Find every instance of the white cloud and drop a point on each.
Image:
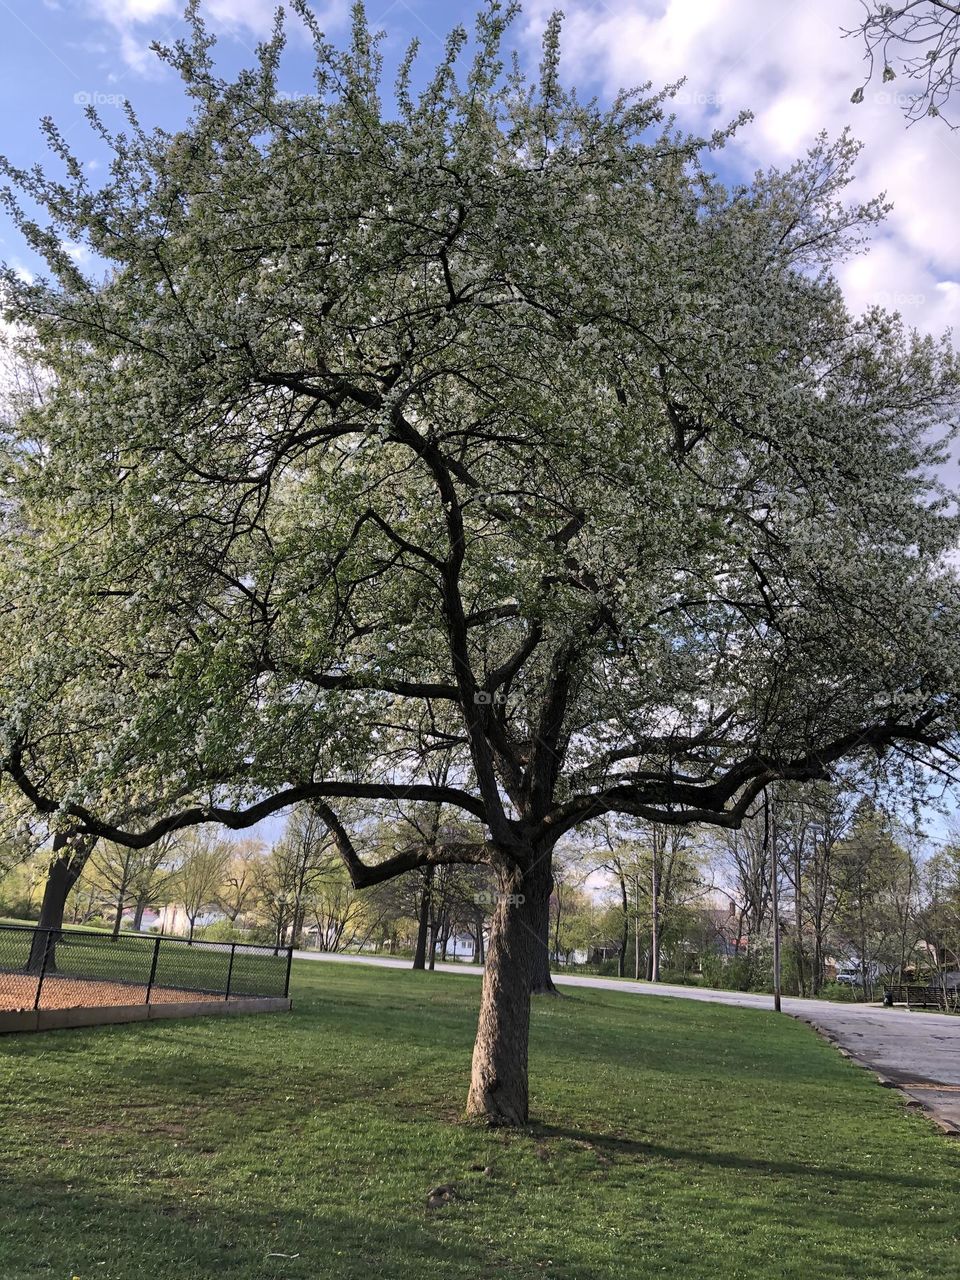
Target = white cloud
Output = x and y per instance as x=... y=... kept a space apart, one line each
x=791 y=66
x=138 y=22
x=121 y=12
x=79 y=253
x=892 y=276
x=255 y=15
x=22 y=271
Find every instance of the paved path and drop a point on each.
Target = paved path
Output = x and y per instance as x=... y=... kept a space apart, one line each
x=917 y=1052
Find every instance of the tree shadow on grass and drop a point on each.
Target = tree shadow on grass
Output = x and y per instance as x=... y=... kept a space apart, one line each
x=611 y=1145
x=53 y=1230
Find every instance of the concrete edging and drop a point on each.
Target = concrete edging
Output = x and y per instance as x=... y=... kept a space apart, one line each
x=888 y=1082
x=103 y=1015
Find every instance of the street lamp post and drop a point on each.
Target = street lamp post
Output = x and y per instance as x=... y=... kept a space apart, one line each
x=776 y=920
x=770 y=840
x=815 y=830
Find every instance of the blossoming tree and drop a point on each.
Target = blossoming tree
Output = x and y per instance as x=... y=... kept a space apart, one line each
x=490 y=424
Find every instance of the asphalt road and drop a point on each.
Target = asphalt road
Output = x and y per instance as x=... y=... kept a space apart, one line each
x=918 y=1053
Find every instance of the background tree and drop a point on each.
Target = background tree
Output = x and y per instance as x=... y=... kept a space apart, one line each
x=201 y=865
x=489 y=423
x=657 y=872
x=425 y=827
x=876 y=919
x=288 y=878
x=237 y=893
x=21 y=886
x=748 y=874
x=339 y=916
x=133 y=877
x=940 y=915
x=581 y=925
x=811 y=828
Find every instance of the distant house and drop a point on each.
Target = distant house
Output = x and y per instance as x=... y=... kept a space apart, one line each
x=173 y=920
x=149 y=919
x=604 y=949
x=722 y=932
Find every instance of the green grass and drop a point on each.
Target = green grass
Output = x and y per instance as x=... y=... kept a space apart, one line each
x=673 y=1139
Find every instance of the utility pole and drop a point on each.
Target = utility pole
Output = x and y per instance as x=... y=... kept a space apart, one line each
x=655 y=905
x=770 y=840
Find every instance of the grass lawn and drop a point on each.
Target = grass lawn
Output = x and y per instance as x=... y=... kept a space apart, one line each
x=673 y=1139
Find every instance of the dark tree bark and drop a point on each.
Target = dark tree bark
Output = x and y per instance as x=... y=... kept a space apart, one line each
x=118 y=918
x=539 y=889
x=64 y=872
x=625 y=929
x=433 y=931
x=655 y=914
x=139 y=909
x=299 y=917
x=423 y=925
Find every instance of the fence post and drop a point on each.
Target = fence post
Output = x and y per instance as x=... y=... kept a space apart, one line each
x=233 y=952
x=153 y=968
x=286 y=985
x=43 y=968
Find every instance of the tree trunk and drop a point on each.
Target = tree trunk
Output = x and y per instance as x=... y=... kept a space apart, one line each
x=498 y=1085
x=625 y=931
x=62 y=876
x=816 y=978
x=863 y=946
x=432 y=943
x=118 y=915
x=798 y=919
x=654 y=918
x=423 y=924
x=299 y=916
x=140 y=908
x=537 y=905
x=636 y=927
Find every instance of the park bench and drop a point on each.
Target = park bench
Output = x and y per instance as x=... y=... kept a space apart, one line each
x=916 y=996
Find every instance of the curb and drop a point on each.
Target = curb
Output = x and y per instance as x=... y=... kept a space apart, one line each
x=104 y=1015
x=947 y=1127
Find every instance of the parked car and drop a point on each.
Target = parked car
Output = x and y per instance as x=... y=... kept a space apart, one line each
x=849 y=978
x=849 y=974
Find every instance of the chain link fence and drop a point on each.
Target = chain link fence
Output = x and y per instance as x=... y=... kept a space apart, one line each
x=70 y=968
